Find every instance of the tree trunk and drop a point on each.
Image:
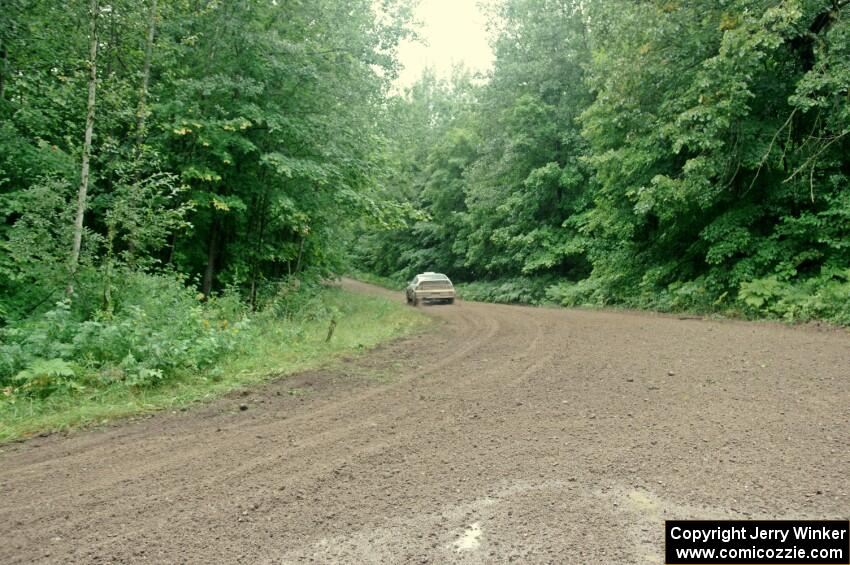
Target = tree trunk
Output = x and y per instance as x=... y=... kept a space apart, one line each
x=142 y=111
x=4 y=66
x=212 y=253
x=300 y=253
x=113 y=44
x=171 y=249
x=84 y=171
x=107 y=276
x=255 y=268
x=804 y=44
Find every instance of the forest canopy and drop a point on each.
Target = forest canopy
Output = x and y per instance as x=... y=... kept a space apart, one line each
x=655 y=154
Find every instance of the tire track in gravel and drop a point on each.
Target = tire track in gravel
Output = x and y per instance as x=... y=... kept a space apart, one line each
x=504 y=433
x=472 y=332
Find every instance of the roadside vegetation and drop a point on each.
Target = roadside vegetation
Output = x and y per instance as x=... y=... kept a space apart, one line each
x=519 y=290
x=378 y=280
x=178 y=351
x=176 y=178
x=677 y=156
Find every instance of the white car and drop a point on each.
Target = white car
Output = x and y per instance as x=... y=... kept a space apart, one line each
x=430 y=287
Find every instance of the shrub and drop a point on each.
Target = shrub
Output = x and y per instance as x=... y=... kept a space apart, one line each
x=46 y=376
x=518 y=290
x=588 y=291
x=824 y=297
x=159 y=328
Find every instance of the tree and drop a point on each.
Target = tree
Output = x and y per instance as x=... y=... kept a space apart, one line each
x=84 y=169
x=654 y=154
x=141 y=113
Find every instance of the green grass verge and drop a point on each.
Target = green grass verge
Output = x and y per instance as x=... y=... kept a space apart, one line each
x=378 y=280
x=276 y=348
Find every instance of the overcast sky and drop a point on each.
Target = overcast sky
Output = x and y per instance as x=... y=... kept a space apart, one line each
x=452 y=31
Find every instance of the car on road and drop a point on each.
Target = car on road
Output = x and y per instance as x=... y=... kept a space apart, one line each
x=430 y=287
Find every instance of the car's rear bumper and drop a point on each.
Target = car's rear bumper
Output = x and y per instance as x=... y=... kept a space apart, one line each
x=435 y=295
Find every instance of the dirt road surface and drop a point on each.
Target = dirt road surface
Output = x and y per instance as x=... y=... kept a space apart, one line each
x=504 y=434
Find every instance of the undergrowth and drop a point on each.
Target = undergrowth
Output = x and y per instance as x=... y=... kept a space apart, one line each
x=172 y=348
x=823 y=298
x=390 y=283
x=517 y=290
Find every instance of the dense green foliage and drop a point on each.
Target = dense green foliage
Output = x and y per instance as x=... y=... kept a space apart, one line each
x=211 y=157
x=289 y=337
x=655 y=154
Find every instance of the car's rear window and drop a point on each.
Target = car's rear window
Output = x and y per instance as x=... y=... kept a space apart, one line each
x=436 y=283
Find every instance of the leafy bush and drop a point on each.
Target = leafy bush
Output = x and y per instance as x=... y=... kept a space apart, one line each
x=568 y=293
x=46 y=376
x=826 y=297
x=760 y=292
x=396 y=282
x=295 y=298
x=159 y=328
x=518 y=290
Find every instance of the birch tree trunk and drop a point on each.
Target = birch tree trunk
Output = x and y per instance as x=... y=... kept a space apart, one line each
x=84 y=171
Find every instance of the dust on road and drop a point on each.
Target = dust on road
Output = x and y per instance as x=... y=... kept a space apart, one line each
x=505 y=434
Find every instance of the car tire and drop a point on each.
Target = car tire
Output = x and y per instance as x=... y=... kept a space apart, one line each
x=451 y=301
x=415 y=302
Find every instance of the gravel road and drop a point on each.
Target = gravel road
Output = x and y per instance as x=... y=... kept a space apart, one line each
x=503 y=434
